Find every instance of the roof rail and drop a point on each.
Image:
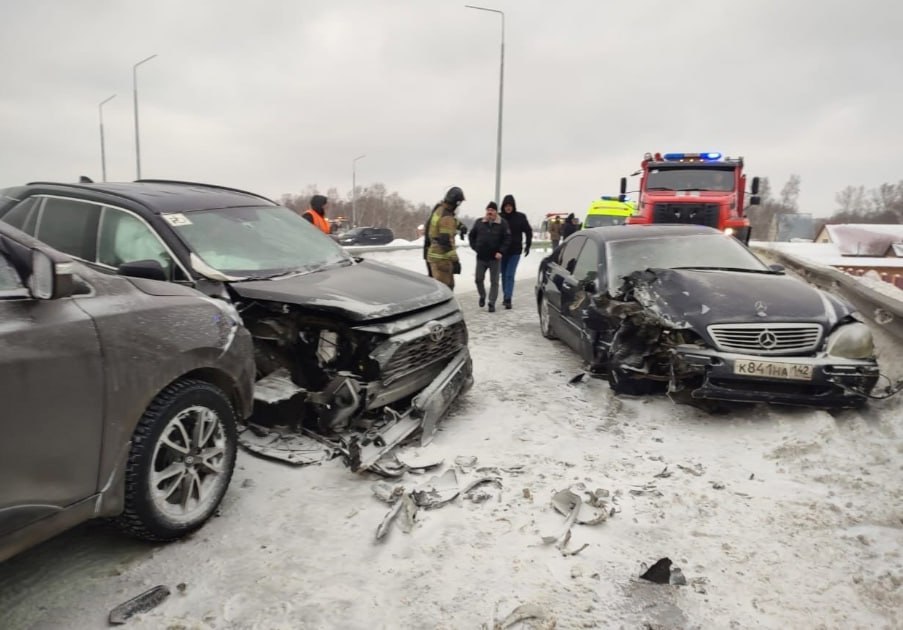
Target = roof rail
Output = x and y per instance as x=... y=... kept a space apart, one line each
x=176 y=181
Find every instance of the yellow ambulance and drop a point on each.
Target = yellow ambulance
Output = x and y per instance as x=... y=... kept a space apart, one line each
x=608 y=211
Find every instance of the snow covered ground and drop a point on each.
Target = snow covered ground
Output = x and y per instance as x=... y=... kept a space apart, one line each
x=778 y=518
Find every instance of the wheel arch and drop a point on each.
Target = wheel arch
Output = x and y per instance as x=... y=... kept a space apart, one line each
x=111 y=497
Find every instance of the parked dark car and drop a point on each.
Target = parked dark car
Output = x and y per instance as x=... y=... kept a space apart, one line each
x=694 y=310
x=366 y=236
x=120 y=398
x=361 y=351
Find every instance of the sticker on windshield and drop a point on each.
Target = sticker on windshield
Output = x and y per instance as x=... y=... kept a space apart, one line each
x=177 y=219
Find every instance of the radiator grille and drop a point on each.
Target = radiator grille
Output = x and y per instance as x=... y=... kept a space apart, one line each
x=693 y=213
x=766 y=339
x=418 y=353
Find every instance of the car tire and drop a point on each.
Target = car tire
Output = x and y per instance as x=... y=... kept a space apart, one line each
x=180 y=463
x=545 y=318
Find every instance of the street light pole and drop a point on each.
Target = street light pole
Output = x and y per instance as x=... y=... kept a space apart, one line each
x=498 y=148
x=103 y=155
x=354 y=191
x=135 y=90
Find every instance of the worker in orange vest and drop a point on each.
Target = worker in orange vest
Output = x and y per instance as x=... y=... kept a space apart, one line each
x=316 y=213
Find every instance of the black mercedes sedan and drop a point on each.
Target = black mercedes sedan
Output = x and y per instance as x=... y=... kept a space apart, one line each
x=692 y=311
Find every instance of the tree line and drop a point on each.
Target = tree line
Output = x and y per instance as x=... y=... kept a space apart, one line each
x=855 y=204
x=375 y=206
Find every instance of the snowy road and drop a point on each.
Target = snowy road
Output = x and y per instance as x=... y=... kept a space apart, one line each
x=778 y=518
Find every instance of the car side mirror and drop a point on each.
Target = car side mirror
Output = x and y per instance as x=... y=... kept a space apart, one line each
x=777 y=268
x=754 y=189
x=50 y=279
x=755 y=200
x=148 y=269
x=623 y=188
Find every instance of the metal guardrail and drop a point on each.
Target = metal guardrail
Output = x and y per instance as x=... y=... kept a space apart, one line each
x=881 y=309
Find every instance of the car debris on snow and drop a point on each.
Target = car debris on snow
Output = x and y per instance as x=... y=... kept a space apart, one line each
x=434 y=493
x=572 y=505
x=437 y=491
x=387 y=493
x=524 y=612
x=465 y=462
x=696 y=470
x=577 y=379
x=677 y=577
x=141 y=603
x=406 y=507
x=664 y=474
x=659 y=572
x=290 y=447
x=418 y=460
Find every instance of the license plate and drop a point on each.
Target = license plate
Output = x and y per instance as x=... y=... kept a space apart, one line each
x=774 y=369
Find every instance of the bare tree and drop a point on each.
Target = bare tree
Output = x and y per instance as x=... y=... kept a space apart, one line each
x=790 y=194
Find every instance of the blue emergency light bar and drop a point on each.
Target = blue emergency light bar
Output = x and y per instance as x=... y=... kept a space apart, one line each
x=676 y=157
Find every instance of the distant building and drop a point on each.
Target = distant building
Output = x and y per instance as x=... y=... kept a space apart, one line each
x=874 y=240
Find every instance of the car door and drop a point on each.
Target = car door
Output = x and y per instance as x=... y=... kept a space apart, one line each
x=51 y=392
x=560 y=288
x=577 y=299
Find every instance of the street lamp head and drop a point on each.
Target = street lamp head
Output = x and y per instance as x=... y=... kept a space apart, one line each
x=146 y=59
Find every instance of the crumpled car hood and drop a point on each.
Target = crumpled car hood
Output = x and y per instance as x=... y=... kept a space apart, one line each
x=361 y=292
x=695 y=298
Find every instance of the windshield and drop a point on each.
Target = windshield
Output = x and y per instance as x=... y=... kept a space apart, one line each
x=601 y=220
x=721 y=180
x=256 y=241
x=669 y=252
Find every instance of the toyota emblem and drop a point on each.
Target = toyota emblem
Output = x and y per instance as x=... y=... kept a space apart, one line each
x=767 y=340
x=437 y=331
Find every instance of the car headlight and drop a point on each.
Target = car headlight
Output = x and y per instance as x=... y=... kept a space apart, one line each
x=851 y=341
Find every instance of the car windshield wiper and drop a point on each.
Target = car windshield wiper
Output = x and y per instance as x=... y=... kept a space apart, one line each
x=659 y=188
x=740 y=269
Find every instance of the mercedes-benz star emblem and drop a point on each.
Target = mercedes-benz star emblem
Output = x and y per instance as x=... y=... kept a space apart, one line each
x=767 y=340
x=437 y=331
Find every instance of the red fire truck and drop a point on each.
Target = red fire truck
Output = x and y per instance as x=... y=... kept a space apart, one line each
x=699 y=188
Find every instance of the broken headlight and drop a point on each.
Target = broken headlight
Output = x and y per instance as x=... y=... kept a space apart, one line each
x=851 y=341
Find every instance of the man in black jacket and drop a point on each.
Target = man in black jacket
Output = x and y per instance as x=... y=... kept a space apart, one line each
x=520 y=229
x=489 y=237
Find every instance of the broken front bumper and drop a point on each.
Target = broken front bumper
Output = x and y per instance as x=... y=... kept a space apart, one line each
x=822 y=381
x=426 y=410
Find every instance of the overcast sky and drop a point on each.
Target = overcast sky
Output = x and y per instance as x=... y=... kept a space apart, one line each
x=276 y=95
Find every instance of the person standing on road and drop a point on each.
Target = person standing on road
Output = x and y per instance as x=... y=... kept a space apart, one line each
x=520 y=228
x=316 y=213
x=555 y=231
x=570 y=226
x=489 y=237
x=441 y=230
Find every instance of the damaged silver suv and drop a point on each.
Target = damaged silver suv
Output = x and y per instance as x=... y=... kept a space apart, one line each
x=355 y=352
